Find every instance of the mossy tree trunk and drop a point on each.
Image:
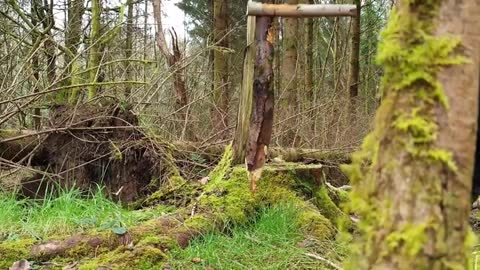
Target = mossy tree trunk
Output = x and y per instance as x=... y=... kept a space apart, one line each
x=414 y=197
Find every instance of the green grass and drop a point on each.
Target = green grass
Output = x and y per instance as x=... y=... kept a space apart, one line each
x=68 y=213
x=271 y=242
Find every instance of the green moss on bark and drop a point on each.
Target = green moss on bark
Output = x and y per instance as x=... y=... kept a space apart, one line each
x=403 y=143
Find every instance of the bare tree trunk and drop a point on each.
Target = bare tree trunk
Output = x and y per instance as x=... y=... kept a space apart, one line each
x=37 y=119
x=309 y=58
x=290 y=77
x=73 y=34
x=353 y=78
x=174 y=59
x=44 y=11
x=414 y=197
x=95 y=48
x=221 y=95
x=129 y=46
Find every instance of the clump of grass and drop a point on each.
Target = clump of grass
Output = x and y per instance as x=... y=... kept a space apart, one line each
x=273 y=241
x=69 y=212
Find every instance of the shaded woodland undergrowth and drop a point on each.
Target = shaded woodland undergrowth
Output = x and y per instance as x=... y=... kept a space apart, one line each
x=290 y=222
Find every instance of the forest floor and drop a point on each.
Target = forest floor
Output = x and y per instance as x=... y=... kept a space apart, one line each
x=270 y=241
x=219 y=225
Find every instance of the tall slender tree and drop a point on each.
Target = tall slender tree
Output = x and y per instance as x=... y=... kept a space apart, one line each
x=354 y=71
x=73 y=38
x=95 y=48
x=221 y=90
x=289 y=71
x=129 y=45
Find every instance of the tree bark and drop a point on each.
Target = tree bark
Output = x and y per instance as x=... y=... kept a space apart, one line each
x=353 y=78
x=309 y=58
x=414 y=197
x=263 y=100
x=129 y=46
x=95 y=44
x=37 y=119
x=221 y=93
x=73 y=35
x=290 y=69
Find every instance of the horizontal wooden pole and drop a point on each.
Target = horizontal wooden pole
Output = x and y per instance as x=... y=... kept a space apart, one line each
x=302 y=10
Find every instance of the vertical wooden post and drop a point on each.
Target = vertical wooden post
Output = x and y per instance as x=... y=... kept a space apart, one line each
x=246 y=96
x=261 y=124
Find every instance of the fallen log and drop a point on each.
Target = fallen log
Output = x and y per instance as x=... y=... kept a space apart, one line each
x=213 y=152
x=16 y=145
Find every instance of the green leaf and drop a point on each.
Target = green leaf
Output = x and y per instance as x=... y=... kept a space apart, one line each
x=119 y=230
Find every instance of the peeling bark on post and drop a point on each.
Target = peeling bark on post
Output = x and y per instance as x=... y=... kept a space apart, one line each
x=263 y=101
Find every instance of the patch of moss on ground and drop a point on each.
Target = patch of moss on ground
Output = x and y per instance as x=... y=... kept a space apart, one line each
x=141 y=257
x=12 y=251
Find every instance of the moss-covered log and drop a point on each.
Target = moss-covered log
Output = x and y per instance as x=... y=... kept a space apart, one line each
x=225 y=200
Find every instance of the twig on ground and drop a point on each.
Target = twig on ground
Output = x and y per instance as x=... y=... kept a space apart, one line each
x=317 y=257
